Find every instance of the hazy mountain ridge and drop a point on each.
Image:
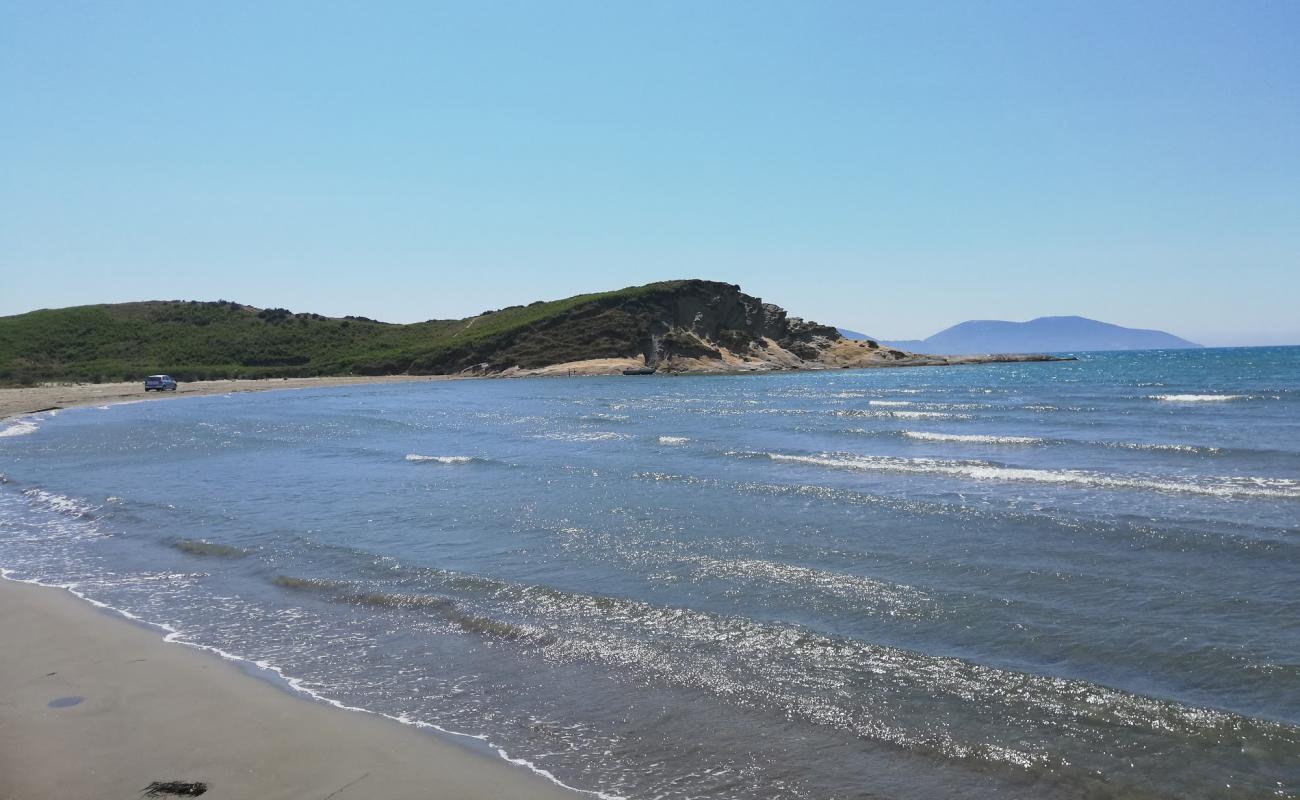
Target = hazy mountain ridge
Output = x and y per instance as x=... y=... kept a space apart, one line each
x=856 y=336
x=1042 y=335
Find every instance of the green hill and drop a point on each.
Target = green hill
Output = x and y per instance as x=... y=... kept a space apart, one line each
x=205 y=340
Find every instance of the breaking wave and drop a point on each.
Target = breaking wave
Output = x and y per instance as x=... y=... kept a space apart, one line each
x=603 y=417
x=59 y=503
x=416 y=457
x=974 y=438
x=1160 y=447
x=807 y=674
x=673 y=440
x=202 y=547
x=19 y=427
x=983 y=438
x=446 y=608
x=902 y=414
x=584 y=436
x=1282 y=488
x=1197 y=398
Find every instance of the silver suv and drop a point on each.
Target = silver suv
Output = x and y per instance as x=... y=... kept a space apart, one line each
x=159 y=383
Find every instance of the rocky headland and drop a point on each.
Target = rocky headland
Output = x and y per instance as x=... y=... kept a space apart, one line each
x=707 y=326
x=671 y=327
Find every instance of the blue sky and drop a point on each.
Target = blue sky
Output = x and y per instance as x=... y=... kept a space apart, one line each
x=892 y=168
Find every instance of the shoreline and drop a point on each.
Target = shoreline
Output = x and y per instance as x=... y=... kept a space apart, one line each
x=24 y=401
x=92 y=706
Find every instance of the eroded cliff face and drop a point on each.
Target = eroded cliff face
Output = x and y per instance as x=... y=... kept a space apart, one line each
x=692 y=324
x=678 y=326
x=710 y=320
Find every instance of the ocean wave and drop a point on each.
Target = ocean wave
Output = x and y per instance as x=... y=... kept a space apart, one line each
x=19 y=427
x=445 y=608
x=1197 y=398
x=59 y=503
x=901 y=414
x=583 y=436
x=202 y=547
x=889 y=402
x=1159 y=447
x=289 y=582
x=897 y=600
x=978 y=438
x=974 y=438
x=416 y=457
x=673 y=440
x=808 y=674
x=1244 y=486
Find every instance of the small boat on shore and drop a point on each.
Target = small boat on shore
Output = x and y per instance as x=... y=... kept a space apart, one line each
x=639 y=371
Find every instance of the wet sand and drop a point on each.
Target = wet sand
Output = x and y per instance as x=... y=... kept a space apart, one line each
x=95 y=706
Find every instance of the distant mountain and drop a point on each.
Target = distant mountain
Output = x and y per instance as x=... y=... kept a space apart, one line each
x=855 y=336
x=1042 y=335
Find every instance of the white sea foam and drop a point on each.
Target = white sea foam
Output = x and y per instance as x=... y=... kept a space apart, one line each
x=977 y=438
x=673 y=440
x=19 y=427
x=442 y=459
x=902 y=414
x=584 y=436
x=58 y=502
x=1171 y=448
x=974 y=438
x=1197 y=398
x=926 y=415
x=117 y=403
x=1283 y=488
x=889 y=402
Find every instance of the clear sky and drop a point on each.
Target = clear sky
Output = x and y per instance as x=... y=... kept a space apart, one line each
x=889 y=167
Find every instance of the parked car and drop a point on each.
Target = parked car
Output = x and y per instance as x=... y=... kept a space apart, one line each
x=159 y=383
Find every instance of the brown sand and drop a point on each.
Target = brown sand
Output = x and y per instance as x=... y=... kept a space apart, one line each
x=15 y=402
x=155 y=711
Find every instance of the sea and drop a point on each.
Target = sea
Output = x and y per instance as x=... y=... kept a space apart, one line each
x=1035 y=580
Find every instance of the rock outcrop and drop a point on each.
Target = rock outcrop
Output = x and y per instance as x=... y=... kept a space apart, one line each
x=705 y=319
x=706 y=326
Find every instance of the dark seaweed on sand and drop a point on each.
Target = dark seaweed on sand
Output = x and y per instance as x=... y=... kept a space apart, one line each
x=174 y=788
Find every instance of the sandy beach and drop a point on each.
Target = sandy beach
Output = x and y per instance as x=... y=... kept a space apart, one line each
x=93 y=706
x=24 y=400
x=19 y=401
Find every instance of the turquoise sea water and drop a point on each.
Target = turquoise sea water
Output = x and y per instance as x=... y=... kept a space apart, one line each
x=1075 y=580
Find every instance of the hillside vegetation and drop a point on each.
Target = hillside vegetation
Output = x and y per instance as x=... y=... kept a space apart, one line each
x=207 y=340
